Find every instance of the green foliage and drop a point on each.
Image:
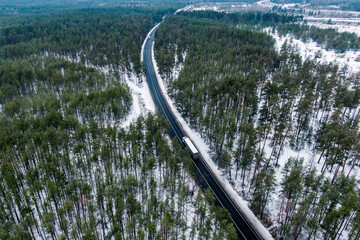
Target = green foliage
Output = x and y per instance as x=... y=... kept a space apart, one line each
x=207 y=55
x=47 y=86
x=264 y=185
x=67 y=170
x=250 y=18
x=250 y=103
x=96 y=185
x=100 y=37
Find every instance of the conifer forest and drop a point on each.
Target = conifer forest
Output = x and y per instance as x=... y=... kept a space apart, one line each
x=253 y=104
x=83 y=156
x=67 y=168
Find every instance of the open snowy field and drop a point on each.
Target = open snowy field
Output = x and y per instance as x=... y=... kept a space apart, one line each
x=338 y=26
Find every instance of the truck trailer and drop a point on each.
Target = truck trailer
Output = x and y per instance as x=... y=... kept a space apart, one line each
x=191 y=147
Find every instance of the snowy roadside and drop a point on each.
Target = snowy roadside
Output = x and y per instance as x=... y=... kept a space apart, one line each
x=348 y=61
x=190 y=213
x=142 y=102
x=204 y=149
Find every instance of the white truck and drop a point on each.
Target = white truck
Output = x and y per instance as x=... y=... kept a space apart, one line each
x=191 y=147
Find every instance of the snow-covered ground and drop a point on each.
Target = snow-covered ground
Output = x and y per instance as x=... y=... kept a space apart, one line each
x=350 y=59
x=329 y=11
x=333 y=20
x=184 y=8
x=340 y=27
x=309 y=50
x=269 y=4
x=142 y=102
x=205 y=150
x=351 y=25
x=204 y=8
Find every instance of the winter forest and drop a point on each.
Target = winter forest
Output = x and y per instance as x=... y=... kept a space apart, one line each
x=284 y=131
x=68 y=169
x=84 y=155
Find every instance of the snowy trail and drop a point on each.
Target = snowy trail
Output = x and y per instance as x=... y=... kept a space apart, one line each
x=142 y=102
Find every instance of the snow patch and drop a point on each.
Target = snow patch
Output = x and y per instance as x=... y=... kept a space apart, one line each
x=340 y=27
x=183 y=9
x=142 y=103
x=349 y=60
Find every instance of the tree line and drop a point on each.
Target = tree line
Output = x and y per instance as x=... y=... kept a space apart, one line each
x=100 y=37
x=329 y=38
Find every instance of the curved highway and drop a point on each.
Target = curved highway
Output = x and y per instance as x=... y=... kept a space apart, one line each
x=207 y=177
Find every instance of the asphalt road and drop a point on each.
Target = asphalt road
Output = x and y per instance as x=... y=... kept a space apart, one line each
x=208 y=179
